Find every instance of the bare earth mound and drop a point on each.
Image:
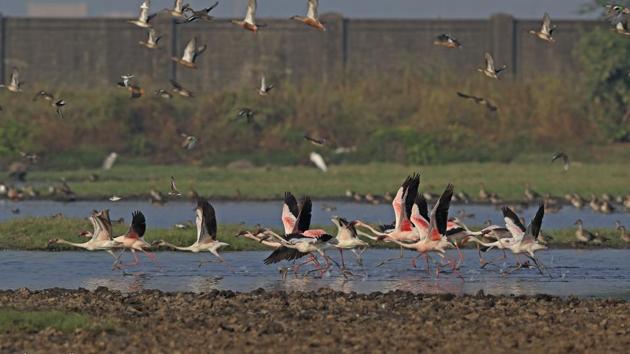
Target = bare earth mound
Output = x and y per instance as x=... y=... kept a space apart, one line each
x=321 y=321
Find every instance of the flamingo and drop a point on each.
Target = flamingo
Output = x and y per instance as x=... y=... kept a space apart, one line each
x=435 y=240
x=133 y=239
x=296 y=245
x=100 y=239
x=311 y=19
x=206 y=221
x=298 y=219
x=526 y=240
x=249 y=23
x=347 y=238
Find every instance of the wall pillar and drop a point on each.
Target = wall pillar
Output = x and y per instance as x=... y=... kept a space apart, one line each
x=2 y=49
x=503 y=42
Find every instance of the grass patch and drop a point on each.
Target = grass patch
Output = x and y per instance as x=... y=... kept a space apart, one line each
x=508 y=180
x=34 y=233
x=35 y=321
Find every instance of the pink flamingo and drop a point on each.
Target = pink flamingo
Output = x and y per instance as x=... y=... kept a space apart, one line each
x=133 y=239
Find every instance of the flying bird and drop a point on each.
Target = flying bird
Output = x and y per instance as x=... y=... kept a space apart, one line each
x=563 y=156
x=125 y=80
x=189 y=141
x=246 y=114
x=174 y=192
x=180 y=90
x=114 y=198
x=57 y=104
x=191 y=52
x=30 y=157
x=152 y=40
x=546 y=30
x=264 y=88
x=249 y=23
x=312 y=18
x=14 y=82
x=314 y=141
x=203 y=14
x=479 y=100
x=178 y=9
x=43 y=95
x=446 y=40
x=318 y=160
x=490 y=70
x=109 y=161
x=163 y=94
x=144 y=18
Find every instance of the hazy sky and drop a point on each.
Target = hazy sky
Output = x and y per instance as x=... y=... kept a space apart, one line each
x=348 y=8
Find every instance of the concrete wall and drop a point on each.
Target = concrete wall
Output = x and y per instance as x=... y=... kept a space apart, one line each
x=93 y=53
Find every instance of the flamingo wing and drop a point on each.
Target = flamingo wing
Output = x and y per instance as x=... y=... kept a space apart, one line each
x=513 y=223
x=304 y=217
x=138 y=225
x=290 y=213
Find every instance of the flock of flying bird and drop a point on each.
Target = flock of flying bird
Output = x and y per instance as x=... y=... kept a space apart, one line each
x=416 y=227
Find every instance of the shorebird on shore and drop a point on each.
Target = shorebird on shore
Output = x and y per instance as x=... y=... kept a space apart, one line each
x=546 y=30
x=206 y=222
x=249 y=22
x=152 y=40
x=191 y=52
x=144 y=19
x=446 y=40
x=14 y=82
x=312 y=18
x=490 y=70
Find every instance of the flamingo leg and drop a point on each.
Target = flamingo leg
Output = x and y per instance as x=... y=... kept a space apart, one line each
x=359 y=255
x=343 y=264
x=312 y=258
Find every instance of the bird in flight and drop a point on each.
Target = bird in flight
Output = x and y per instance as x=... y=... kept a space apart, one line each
x=490 y=70
x=249 y=23
x=318 y=160
x=479 y=100
x=191 y=52
x=312 y=18
x=264 y=88
x=163 y=94
x=144 y=19
x=152 y=40
x=180 y=90
x=546 y=30
x=174 y=192
x=189 y=141
x=57 y=104
x=314 y=141
x=14 y=82
x=446 y=40
x=203 y=14
x=30 y=157
x=563 y=156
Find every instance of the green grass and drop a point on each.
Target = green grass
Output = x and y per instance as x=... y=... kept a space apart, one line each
x=508 y=180
x=34 y=233
x=35 y=321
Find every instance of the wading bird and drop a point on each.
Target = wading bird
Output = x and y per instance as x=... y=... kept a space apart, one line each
x=490 y=70
x=526 y=241
x=348 y=239
x=100 y=238
x=312 y=18
x=191 y=52
x=133 y=239
x=546 y=30
x=206 y=221
x=249 y=23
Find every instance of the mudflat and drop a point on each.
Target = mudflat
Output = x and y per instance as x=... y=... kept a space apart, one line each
x=152 y=321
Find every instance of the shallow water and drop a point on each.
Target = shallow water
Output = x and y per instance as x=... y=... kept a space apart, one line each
x=583 y=273
x=268 y=212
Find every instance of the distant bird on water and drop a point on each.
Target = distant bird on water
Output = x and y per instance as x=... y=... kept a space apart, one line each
x=152 y=40
x=312 y=17
x=563 y=156
x=546 y=30
x=180 y=90
x=318 y=160
x=490 y=70
x=446 y=40
x=191 y=52
x=479 y=100
x=203 y=14
x=144 y=18
x=249 y=22
x=264 y=88
x=14 y=82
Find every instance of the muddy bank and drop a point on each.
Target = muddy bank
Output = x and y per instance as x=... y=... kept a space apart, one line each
x=322 y=321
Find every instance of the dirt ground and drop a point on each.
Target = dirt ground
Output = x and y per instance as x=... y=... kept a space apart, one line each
x=322 y=321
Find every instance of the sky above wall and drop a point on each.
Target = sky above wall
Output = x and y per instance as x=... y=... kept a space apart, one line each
x=528 y=9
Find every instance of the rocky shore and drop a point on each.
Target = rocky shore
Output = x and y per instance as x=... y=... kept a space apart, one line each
x=321 y=321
